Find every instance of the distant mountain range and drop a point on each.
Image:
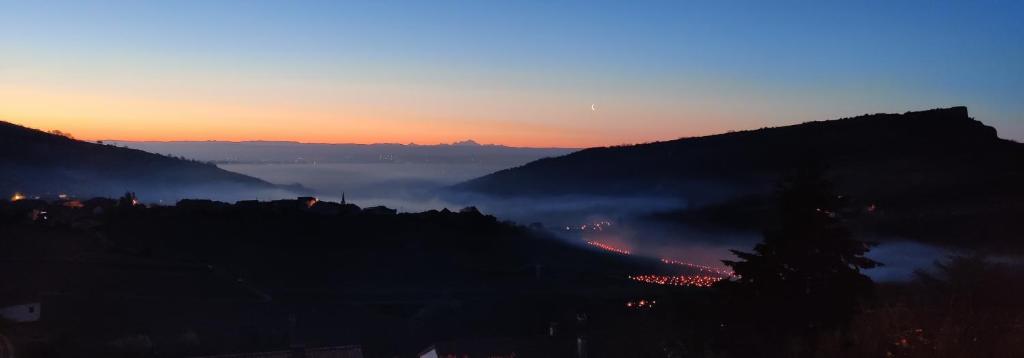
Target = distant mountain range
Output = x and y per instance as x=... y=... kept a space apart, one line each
x=467 y=151
x=935 y=172
x=46 y=164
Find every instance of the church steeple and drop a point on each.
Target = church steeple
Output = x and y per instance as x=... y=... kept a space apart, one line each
x=342 y=198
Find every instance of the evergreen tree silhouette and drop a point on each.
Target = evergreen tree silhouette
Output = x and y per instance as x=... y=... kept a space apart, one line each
x=806 y=273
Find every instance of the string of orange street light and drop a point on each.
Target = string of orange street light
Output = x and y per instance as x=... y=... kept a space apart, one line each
x=607 y=247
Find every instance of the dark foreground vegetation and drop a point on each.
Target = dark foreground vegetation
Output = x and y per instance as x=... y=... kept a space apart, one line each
x=801 y=293
x=118 y=279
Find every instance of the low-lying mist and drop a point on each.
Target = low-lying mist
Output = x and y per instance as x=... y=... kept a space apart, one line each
x=414 y=187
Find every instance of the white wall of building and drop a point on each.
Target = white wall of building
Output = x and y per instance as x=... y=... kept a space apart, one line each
x=429 y=354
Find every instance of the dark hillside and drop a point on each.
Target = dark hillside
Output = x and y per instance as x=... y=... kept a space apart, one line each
x=936 y=172
x=752 y=160
x=40 y=163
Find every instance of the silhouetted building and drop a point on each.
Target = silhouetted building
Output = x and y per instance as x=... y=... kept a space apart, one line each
x=327 y=208
x=308 y=201
x=380 y=210
x=128 y=200
x=247 y=204
x=302 y=202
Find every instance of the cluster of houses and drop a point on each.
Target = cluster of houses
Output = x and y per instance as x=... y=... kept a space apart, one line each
x=69 y=211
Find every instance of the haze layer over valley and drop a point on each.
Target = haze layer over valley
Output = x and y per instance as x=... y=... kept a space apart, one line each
x=407 y=177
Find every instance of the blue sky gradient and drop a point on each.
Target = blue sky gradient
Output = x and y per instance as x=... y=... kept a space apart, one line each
x=519 y=72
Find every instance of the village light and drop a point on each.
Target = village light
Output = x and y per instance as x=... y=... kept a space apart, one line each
x=679 y=280
x=701 y=268
x=17 y=196
x=607 y=247
x=640 y=304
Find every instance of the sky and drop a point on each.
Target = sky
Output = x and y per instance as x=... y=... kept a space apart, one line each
x=523 y=73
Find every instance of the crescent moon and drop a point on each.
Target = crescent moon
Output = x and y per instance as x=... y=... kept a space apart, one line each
x=592 y=108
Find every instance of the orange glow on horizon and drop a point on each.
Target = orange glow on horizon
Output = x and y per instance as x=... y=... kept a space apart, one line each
x=105 y=116
x=426 y=135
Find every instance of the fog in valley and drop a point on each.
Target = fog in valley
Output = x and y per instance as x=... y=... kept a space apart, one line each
x=413 y=178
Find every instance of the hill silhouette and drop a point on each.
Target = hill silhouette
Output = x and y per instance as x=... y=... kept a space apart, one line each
x=45 y=164
x=930 y=172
